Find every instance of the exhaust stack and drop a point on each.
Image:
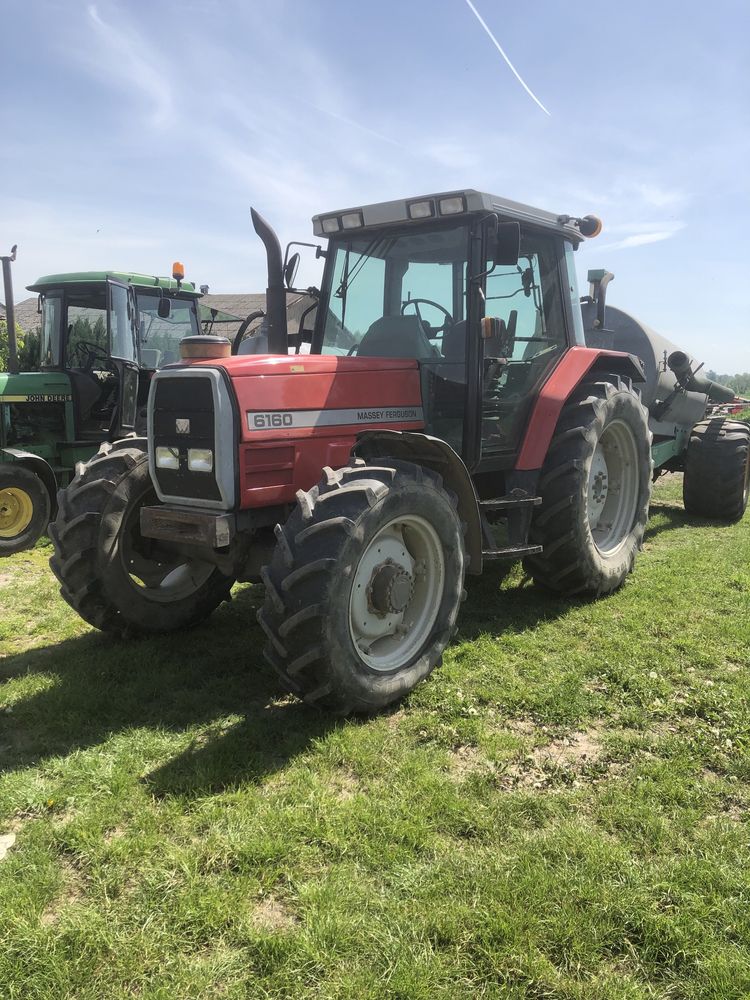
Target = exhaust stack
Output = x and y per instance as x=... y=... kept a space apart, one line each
x=278 y=342
x=10 y=313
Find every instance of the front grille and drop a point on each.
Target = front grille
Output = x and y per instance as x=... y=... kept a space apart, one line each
x=182 y=417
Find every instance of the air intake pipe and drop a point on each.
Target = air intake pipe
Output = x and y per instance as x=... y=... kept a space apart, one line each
x=679 y=362
x=278 y=342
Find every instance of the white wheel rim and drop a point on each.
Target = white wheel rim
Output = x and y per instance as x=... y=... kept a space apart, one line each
x=408 y=555
x=613 y=488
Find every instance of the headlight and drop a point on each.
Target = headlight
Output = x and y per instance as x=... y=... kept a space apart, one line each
x=200 y=459
x=330 y=225
x=167 y=458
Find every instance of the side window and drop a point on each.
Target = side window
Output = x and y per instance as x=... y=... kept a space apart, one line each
x=49 y=355
x=530 y=337
x=526 y=298
x=121 y=329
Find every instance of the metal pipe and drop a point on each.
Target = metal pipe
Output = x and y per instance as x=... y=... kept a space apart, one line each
x=10 y=313
x=679 y=362
x=278 y=342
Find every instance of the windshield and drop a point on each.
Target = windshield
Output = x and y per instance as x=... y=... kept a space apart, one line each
x=159 y=339
x=397 y=295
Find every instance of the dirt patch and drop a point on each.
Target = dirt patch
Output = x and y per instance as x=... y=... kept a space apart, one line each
x=273 y=916
x=394 y=720
x=468 y=760
x=72 y=892
x=344 y=784
x=561 y=761
x=5 y=579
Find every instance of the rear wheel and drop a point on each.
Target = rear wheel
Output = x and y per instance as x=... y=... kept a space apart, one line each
x=364 y=587
x=24 y=508
x=116 y=579
x=716 y=483
x=595 y=487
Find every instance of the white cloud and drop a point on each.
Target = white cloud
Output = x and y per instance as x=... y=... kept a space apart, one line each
x=124 y=57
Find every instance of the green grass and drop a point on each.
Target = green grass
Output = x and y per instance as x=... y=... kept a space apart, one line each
x=559 y=812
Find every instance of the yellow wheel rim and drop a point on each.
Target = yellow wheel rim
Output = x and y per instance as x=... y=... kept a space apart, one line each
x=16 y=511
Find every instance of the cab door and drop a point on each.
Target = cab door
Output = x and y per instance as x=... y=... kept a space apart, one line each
x=525 y=342
x=123 y=345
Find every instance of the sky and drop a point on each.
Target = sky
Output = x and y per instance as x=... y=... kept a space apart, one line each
x=137 y=133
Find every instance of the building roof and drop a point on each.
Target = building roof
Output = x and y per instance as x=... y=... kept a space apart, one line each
x=27 y=316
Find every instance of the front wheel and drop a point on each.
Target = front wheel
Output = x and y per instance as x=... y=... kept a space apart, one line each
x=24 y=508
x=364 y=587
x=595 y=487
x=116 y=579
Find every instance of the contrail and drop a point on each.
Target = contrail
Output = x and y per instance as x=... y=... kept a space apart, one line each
x=499 y=48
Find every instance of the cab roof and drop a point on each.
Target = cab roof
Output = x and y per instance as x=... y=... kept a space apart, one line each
x=48 y=281
x=392 y=212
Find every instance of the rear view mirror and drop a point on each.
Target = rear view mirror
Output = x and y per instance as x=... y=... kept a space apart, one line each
x=164 y=309
x=290 y=270
x=507 y=243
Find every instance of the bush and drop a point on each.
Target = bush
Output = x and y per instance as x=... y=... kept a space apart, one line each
x=27 y=345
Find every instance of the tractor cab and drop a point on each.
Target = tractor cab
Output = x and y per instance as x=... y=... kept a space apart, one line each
x=480 y=291
x=108 y=332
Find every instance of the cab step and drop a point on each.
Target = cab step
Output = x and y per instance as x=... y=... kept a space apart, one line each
x=511 y=552
x=514 y=500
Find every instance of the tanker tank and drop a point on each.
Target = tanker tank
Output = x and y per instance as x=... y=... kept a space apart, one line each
x=673 y=394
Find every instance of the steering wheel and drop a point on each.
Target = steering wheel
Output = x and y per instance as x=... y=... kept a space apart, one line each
x=87 y=353
x=434 y=330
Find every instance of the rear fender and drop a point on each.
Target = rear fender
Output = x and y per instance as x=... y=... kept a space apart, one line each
x=435 y=454
x=576 y=365
x=39 y=466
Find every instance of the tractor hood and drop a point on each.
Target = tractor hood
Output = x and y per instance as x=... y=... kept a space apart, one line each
x=34 y=387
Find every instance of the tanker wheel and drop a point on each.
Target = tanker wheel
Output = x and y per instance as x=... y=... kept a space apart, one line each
x=364 y=587
x=116 y=579
x=716 y=483
x=24 y=508
x=595 y=487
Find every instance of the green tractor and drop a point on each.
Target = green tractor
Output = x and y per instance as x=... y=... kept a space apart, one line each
x=103 y=334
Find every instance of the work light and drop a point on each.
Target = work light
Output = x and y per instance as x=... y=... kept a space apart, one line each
x=452 y=206
x=351 y=220
x=421 y=210
x=330 y=225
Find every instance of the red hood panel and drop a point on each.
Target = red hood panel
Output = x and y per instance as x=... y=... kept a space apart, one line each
x=281 y=364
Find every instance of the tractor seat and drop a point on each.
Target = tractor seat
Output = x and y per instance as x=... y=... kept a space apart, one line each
x=396 y=337
x=454 y=342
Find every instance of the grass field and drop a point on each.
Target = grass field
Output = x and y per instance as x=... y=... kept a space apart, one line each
x=559 y=812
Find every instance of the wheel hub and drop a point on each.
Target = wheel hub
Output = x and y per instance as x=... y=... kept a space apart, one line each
x=613 y=487
x=397 y=587
x=390 y=589
x=16 y=511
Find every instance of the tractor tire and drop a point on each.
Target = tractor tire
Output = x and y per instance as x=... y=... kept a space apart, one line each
x=117 y=580
x=716 y=483
x=24 y=508
x=595 y=487
x=364 y=586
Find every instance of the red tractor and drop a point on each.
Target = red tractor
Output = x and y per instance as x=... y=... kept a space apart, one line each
x=448 y=415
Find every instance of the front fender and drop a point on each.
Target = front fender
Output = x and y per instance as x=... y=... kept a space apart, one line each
x=435 y=454
x=36 y=464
